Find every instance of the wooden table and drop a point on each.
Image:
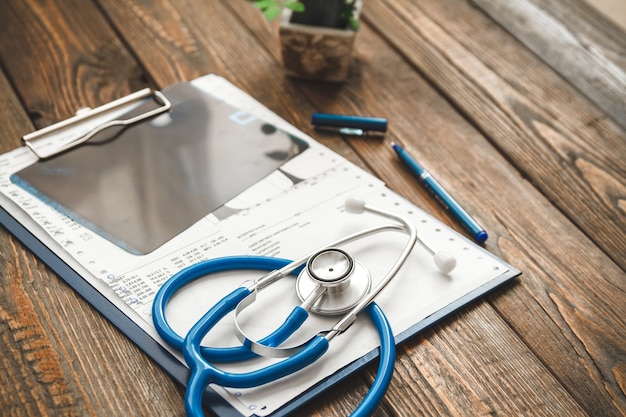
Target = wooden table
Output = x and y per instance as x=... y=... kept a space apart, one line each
x=539 y=163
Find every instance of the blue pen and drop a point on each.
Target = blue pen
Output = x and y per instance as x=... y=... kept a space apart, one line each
x=441 y=194
x=350 y=125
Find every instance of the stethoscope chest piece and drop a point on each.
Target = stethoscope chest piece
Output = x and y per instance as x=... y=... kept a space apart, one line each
x=345 y=281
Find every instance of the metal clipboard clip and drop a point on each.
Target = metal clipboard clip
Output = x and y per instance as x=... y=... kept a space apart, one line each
x=52 y=148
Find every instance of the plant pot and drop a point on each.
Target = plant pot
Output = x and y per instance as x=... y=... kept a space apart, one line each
x=316 y=52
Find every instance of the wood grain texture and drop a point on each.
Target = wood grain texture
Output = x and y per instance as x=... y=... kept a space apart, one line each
x=553 y=282
x=71 y=361
x=515 y=143
x=79 y=60
x=553 y=136
x=572 y=37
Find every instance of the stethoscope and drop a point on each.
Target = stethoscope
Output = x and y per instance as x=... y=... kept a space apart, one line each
x=329 y=282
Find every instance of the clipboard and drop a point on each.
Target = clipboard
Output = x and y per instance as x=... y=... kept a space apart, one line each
x=119 y=310
x=150 y=173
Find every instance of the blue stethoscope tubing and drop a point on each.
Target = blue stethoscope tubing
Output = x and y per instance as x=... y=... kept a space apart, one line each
x=199 y=358
x=201 y=269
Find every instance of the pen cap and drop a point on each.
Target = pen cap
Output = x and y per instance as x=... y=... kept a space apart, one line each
x=376 y=124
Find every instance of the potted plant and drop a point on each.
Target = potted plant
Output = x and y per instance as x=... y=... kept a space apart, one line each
x=316 y=36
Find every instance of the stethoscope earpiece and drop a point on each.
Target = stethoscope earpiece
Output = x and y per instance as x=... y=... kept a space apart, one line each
x=445 y=261
x=354 y=205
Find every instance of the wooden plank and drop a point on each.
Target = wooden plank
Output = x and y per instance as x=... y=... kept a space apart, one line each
x=14 y=115
x=59 y=356
x=570 y=289
x=576 y=41
x=613 y=10
x=559 y=141
x=449 y=357
x=77 y=64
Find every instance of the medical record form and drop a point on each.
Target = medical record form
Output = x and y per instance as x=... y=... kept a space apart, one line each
x=293 y=207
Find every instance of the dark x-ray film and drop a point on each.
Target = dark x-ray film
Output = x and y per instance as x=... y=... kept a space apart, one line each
x=141 y=185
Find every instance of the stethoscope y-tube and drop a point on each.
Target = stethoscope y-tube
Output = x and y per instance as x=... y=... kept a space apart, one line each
x=323 y=285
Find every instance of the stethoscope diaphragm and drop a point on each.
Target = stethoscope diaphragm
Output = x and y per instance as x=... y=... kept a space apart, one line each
x=346 y=282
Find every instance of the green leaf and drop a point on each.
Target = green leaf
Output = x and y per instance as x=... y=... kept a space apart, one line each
x=264 y=4
x=272 y=12
x=354 y=24
x=295 y=5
